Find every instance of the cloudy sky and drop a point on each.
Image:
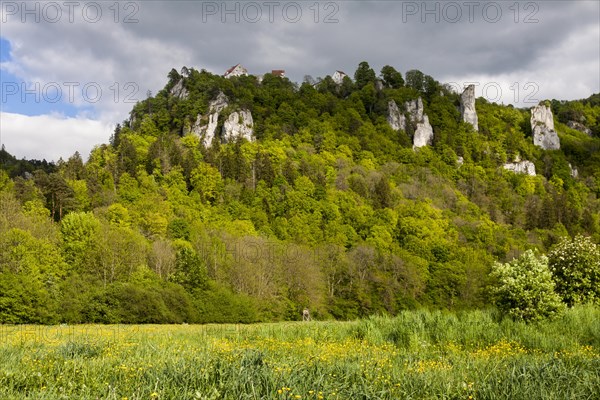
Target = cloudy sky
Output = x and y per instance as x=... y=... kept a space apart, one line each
x=71 y=70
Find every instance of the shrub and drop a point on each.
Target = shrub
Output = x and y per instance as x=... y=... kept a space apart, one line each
x=575 y=266
x=524 y=288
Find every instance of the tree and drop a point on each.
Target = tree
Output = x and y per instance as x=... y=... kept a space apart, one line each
x=30 y=270
x=425 y=84
x=391 y=78
x=575 y=265
x=207 y=181
x=364 y=75
x=415 y=79
x=524 y=288
x=162 y=258
x=79 y=233
x=59 y=195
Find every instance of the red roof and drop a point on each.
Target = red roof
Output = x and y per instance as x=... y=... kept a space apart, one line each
x=230 y=70
x=278 y=72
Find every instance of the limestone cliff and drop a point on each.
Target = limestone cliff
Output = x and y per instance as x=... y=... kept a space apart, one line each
x=467 y=107
x=208 y=129
x=542 y=127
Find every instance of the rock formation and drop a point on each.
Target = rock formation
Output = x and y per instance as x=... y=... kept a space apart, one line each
x=396 y=119
x=521 y=167
x=580 y=127
x=467 y=107
x=208 y=131
x=574 y=171
x=415 y=109
x=239 y=124
x=179 y=90
x=423 y=134
x=542 y=126
x=423 y=131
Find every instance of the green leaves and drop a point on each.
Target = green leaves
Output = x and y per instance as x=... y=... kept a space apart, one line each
x=524 y=288
x=207 y=182
x=575 y=265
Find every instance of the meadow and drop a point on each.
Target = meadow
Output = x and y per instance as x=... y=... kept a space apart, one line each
x=415 y=355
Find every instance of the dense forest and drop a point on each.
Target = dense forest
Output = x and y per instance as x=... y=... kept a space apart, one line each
x=328 y=208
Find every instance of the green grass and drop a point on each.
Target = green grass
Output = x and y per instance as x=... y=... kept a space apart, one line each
x=416 y=355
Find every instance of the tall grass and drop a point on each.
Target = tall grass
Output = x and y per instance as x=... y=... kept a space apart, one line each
x=416 y=355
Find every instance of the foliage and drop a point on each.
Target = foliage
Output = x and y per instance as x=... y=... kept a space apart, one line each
x=575 y=266
x=525 y=289
x=329 y=208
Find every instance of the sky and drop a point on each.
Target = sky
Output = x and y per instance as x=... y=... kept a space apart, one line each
x=71 y=70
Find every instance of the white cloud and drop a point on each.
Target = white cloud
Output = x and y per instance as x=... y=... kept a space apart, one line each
x=51 y=137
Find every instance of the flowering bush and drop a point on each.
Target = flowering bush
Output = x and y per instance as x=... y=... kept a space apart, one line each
x=524 y=288
x=575 y=266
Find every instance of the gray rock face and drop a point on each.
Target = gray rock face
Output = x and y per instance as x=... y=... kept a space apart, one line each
x=396 y=119
x=239 y=124
x=415 y=109
x=521 y=167
x=423 y=130
x=574 y=172
x=208 y=129
x=423 y=134
x=467 y=107
x=580 y=127
x=179 y=90
x=542 y=125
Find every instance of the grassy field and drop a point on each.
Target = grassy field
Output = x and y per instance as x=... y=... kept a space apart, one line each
x=416 y=355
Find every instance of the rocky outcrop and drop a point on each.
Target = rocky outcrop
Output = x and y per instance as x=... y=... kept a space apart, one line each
x=415 y=109
x=580 y=127
x=467 y=107
x=208 y=129
x=179 y=90
x=239 y=124
x=521 y=167
x=396 y=119
x=542 y=126
x=574 y=171
x=423 y=134
x=423 y=131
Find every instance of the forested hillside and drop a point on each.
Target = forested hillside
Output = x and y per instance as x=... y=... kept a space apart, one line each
x=328 y=208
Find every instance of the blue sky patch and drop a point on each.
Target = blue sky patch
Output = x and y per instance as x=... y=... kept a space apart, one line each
x=34 y=98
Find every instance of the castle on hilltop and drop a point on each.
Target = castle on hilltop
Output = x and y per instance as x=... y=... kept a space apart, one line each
x=239 y=70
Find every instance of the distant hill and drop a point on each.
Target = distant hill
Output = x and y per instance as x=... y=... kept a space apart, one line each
x=250 y=198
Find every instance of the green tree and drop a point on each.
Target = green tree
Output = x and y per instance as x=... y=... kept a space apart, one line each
x=575 y=265
x=364 y=75
x=524 y=288
x=79 y=234
x=207 y=182
x=30 y=272
x=415 y=80
x=391 y=78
